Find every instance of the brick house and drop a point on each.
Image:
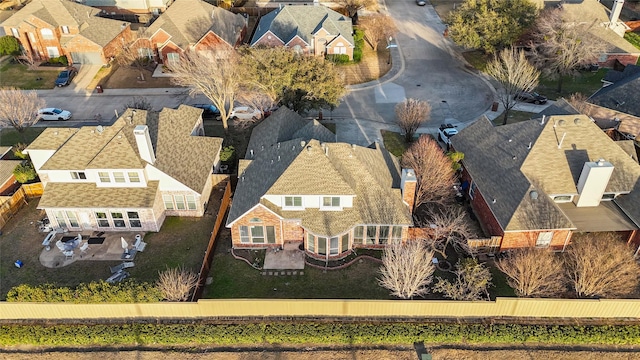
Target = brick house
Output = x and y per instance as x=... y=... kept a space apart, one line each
x=296 y=185
x=129 y=175
x=155 y=7
x=52 y=28
x=312 y=30
x=191 y=24
x=536 y=182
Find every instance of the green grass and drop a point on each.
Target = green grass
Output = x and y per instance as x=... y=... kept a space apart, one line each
x=514 y=117
x=10 y=137
x=633 y=38
x=477 y=59
x=19 y=76
x=394 y=142
x=500 y=287
x=586 y=83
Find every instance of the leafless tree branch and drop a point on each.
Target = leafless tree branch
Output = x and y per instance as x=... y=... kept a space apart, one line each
x=377 y=28
x=19 y=109
x=407 y=269
x=534 y=272
x=411 y=113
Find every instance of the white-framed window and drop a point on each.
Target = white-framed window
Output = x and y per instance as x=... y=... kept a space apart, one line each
x=293 y=202
x=340 y=48
x=330 y=202
x=53 y=52
x=472 y=190
x=257 y=234
x=562 y=198
x=145 y=53
x=322 y=245
x=180 y=205
x=334 y=246
x=358 y=235
x=311 y=242
x=191 y=202
x=65 y=29
x=134 y=177
x=118 y=219
x=344 y=242
x=118 y=176
x=104 y=176
x=173 y=58
x=78 y=175
x=73 y=220
x=60 y=219
x=544 y=239
x=134 y=219
x=372 y=230
x=47 y=34
x=168 y=202
x=102 y=220
x=244 y=234
x=15 y=32
x=383 y=235
x=396 y=235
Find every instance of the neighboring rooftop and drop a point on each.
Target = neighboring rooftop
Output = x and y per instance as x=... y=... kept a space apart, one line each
x=620 y=96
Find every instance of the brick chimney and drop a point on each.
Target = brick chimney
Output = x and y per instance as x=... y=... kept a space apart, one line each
x=408 y=184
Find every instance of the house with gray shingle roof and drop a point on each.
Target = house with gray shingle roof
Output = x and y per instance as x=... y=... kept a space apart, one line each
x=297 y=185
x=53 y=28
x=313 y=30
x=191 y=24
x=129 y=175
x=536 y=182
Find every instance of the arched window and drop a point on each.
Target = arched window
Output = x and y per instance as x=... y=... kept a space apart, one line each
x=47 y=34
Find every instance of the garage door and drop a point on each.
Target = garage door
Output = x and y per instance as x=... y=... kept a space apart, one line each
x=87 y=58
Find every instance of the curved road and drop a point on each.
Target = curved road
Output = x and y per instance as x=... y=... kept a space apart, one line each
x=431 y=71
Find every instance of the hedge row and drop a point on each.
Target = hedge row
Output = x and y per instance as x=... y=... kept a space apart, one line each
x=318 y=333
x=94 y=292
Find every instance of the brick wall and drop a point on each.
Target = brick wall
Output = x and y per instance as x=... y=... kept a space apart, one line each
x=114 y=47
x=481 y=209
x=212 y=41
x=625 y=59
x=266 y=41
x=409 y=194
x=267 y=218
x=292 y=231
x=514 y=240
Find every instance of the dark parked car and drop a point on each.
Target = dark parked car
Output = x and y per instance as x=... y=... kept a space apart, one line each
x=531 y=97
x=65 y=76
x=209 y=109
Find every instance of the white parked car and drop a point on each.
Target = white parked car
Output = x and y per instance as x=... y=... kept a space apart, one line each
x=245 y=113
x=54 y=114
x=445 y=132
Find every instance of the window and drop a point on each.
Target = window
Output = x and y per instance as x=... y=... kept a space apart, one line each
x=15 y=32
x=134 y=177
x=255 y=220
x=396 y=235
x=168 y=202
x=544 y=239
x=173 y=58
x=73 y=220
x=271 y=234
x=102 y=219
x=180 y=205
x=322 y=245
x=383 y=236
x=53 y=51
x=244 y=234
x=345 y=243
x=118 y=219
x=145 y=53
x=330 y=201
x=371 y=235
x=334 y=246
x=134 y=219
x=609 y=196
x=191 y=202
x=311 y=242
x=257 y=234
x=78 y=175
x=472 y=190
x=293 y=201
x=62 y=222
x=562 y=198
x=358 y=234
x=47 y=34
x=65 y=29
x=118 y=177
x=104 y=177
x=340 y=48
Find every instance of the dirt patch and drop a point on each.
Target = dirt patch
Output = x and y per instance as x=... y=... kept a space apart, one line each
x=129 y=78
x=373 y=66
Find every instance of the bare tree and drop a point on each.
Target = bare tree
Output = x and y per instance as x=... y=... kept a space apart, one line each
x=214 y=74
x=19 y=109
x=515 y=74
x=601 y=265
x=377 y=28
x=134 y=55
x=257 y=100
x=579 y=102
x=471 y=283
x=352 y=7
x=560 y=47
x=407 y=269
x=449 y=226
x=411 y=113
x=433 y=169
x=137 y=102
x=176 y=284
x=534 y=272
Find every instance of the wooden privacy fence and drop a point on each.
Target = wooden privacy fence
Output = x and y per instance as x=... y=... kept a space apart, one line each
x=483 y=246
x=12 y=204
x=624 y=309
x=208 y=255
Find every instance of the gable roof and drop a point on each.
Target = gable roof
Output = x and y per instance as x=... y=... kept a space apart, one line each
x=303 y=21
x=507 y=171
x=559 y=107
x=6 y=169
x=613 y=76
x=187 y=21
x=188 y=159
x=69 y=13
x=620 y=96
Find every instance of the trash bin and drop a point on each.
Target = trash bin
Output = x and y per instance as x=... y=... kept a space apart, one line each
x=99 y=89
x=494 y=107
x=18 y=263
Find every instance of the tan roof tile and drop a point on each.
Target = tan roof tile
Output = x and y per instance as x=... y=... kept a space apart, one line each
x=88 y=195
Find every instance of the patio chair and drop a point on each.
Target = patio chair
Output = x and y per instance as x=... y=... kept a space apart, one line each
x=60 y=245
x=68 y=254
x=84 y=247
x=128 y=264
x=139 y=245
x=117 y=268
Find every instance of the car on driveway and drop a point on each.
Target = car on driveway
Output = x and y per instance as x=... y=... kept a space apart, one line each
x=210 y=110
x=445 y=132
x=65 y=76
x=530 y=97
x=245 y=113
x=54 y=114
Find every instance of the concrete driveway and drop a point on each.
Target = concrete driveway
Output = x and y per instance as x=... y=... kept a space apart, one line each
x=431 y=70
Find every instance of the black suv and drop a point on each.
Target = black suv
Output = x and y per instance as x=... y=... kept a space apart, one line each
x=530 y=97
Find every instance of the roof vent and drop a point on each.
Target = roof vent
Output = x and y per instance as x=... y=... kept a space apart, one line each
x=278 y=145
x=542 y=120
x=514 y=157
x=262 y=147
x=493 y=201
x=560 y=122
x=309 y=149
x=302 y=143
x=529 y=146
x=533 y=195
x=99 y=129
x=278 y=157
x=577 y=121
x=353 y=146
x=510 y=140
x=251 y=152
x=600 y=162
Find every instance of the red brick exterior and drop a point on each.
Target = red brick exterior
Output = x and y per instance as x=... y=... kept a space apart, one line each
x=268 y=39
x=514 y=240
x=487 y=220
x=409 y=194
x=624 y=59
x=267 y=218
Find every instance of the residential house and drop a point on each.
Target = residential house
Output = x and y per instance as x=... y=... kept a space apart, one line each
x=313 y=30
x=296 y=185
x=606 y=27
x=52 y=28
x=191 y=25
x=536 y=182
x=114 y=7
x=617 y=99
x=8 y=183
x=129 y=175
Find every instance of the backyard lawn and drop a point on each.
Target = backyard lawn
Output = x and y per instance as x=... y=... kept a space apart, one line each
x=10 y=137
x=19 y=76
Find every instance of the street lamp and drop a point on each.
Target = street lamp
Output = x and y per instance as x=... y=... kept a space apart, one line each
x=390 y=44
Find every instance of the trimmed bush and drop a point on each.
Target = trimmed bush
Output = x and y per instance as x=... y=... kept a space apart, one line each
x=338 y=58
x=94 y=292
x=25 y=172
x=358 y=38
x=227 y=155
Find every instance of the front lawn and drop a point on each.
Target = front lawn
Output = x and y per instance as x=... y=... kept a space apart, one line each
x=394 y=142
x=515 y=116
x=585 y=82
x=19 y=76
x=10 y=137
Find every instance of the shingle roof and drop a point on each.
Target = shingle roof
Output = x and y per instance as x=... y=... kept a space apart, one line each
x=299 y=167
x=613 y=76
x=69 y=13
x=507 y=171
x=187 y=21
x=52 y=138
x=6 y=169
x=188 y=159
x=560 y=107
x=620 y=96
x=304 y=21
x=88 y=195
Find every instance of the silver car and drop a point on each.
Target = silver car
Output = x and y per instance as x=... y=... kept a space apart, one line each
x=54 y=114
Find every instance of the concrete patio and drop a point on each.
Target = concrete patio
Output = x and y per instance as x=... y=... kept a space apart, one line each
x=288 y=258
x=109 y=250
